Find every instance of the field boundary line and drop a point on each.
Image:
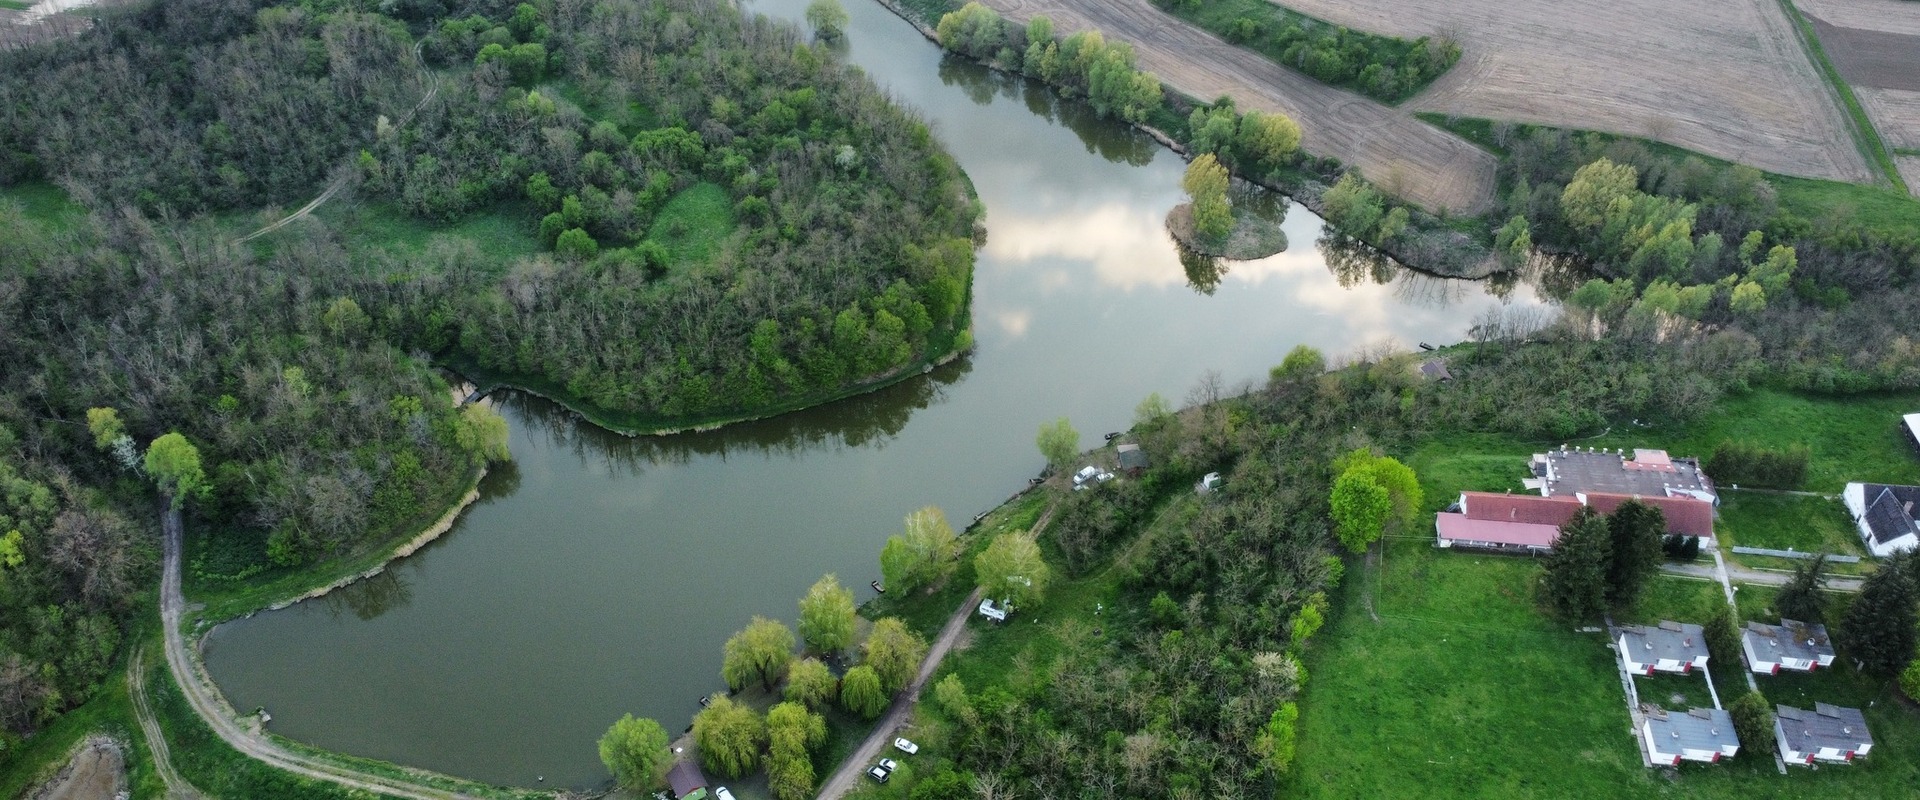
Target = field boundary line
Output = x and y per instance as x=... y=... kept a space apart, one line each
x=1865 y=136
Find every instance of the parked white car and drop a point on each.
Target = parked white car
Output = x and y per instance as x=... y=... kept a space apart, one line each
x=722 y=794
x=906 y=746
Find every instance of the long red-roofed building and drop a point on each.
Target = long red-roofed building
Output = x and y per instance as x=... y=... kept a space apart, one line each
x=1531 y=523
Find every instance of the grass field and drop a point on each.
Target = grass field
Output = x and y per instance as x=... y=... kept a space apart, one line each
x=1463 y=688
x=15 y=5
x=1788 y=522
x=45 y=203
x=694 y=224
x=503 y=232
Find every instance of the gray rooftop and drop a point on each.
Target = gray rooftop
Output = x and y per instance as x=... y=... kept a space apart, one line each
x=1132 y=457
x=1648 y=473
x=1825 y=726
x=1675 y=641
x=1699 y=729
x=1890 y=511
x=1789 y=639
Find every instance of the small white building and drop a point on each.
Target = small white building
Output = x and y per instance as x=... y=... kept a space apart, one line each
x=1703 y=734
x=1675 y=647
x=1830 y=734
x=1884 y=515
x=1791 y=645
x=988 y=610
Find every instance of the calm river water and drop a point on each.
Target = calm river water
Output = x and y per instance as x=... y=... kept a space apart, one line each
x=599 y=575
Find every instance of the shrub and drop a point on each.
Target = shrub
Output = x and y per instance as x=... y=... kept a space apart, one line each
x=1751 y=464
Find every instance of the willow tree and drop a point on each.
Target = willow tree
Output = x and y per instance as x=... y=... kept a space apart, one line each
x=1206 y=186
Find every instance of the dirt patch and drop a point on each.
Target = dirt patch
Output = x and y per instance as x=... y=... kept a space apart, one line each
x=1723 y=77
x=97 y=771
x=1909 y=167
x=1252 y=238
x=1892 y=16
x=1895 y=113
x=1433 y=168
x=1875 y=59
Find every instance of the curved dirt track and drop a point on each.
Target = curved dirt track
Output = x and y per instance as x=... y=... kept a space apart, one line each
x=207 y=702
x=177 y=786
x=1409 y=158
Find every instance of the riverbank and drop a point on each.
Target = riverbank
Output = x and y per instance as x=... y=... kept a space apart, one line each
x=220 y=605
x=1436 y=244
x=489 y=381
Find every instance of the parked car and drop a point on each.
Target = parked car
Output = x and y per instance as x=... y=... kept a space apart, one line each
x=906 y=746
x=722 y=794
x=1086 y=473
x=878 y=773
x=889 y=764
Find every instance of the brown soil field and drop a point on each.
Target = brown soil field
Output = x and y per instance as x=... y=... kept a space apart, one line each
x=1892 y=16
x=1895 y=113
x=1410 y=158
x=1909 y=167
x=1724 y=77
x=97 y=772
x=1875 y=59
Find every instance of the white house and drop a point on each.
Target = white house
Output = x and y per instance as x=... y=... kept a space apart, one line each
x=1884 y=515
x=1792 y=645
x=1831 y=734
x=1703 y=734
x=1671 y=647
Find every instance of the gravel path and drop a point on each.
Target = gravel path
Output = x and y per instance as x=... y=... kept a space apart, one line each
x=1410 y=158
x=212 y=707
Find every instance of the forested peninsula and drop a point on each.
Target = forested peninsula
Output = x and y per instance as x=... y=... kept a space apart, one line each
x=724 y=220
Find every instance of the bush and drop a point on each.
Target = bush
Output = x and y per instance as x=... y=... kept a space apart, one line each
x=1910 y=681
x=1750 y=464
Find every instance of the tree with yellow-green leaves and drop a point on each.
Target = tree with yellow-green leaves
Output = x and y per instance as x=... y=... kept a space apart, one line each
x=1206 y=185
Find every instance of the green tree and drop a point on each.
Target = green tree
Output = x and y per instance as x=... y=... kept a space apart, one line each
x=1403 y=487
x=1799 y=598
x=1589 y=197
x=1150 y=413
x=922 y=554
x=635 y=751
x=789 y=777
x=1360 y=507
x=1301 y=363
x=763 y=650
x=950 y=693
x=576 y=244
x=1011 y=568
x=1748 y=298
x=1059 y=442
x=826 y=616
x=810 y=683
x=828 y=18
x=1877 y=628
x=345 y=321
x=1910 y=680
x=894 y=653
x=730 y=737
x=482 y=432
x=1206 y=185
x=1753 y=723
x=1353 y=205
x=174 y=464
x=106 y=427
x=1268 y=138
x=1575 y=580
x=1277 y=741
x=1634 y=553
x=860 y=692
x=1722 y=635
x=1514 y=241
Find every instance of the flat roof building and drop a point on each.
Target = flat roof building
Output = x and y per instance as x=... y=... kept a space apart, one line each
x=1649 y=473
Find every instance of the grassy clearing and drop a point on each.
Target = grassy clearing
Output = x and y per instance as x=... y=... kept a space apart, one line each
x=1864 y=134
x=694 y=224
x=110 y=712
x=503 y=232
x=1881 y=208
x=1787 y=522
x=44 y=202
x=15 y=5
x=1462 y=656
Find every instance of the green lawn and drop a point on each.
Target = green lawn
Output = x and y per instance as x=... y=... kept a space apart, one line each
x=694 y=224
x=1787 y=522
x=1463 y=688
x=15 y=5
x=44 y=202
x=502 y=232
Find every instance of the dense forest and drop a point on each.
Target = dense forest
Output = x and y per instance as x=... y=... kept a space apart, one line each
x=280 y=390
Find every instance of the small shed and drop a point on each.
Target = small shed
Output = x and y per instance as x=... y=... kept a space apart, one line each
x=687 y=781
x=1133 y=460
x=1435 y=369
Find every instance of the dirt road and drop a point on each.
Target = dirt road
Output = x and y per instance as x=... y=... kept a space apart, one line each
x=178 y=788
x=345 y=173
x=851 y=770
x=1412 y=159
x=212 y=707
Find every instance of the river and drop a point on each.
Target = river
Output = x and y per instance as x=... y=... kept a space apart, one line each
x=599 y=575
